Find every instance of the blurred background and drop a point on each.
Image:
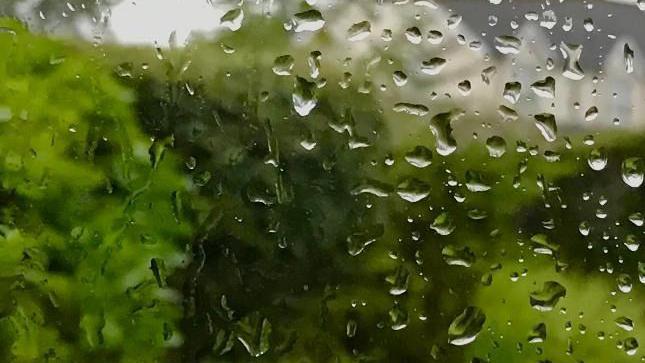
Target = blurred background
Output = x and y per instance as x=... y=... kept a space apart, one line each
x=322 y=181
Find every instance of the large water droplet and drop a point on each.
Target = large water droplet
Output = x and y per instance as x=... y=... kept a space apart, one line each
x=458 y=256
x=359 y=31
x=443 y=224
x=441 y=128
x=232 y=19
x=545 y=122
x=632 y=171
x=283 y=65
x=411 y=109
x=512 y=91
x=546 y=298
x=413 y=190
x=629 y=59
x=507 y=44
x=544 y=88
x=304 y=96
x=571 y=54
x=433 y=66
x=597 y=159
x=466 y=326
x=307 y=21
x=496 y=146
x=420 y=157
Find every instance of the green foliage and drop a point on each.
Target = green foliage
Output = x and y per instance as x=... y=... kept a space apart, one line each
x=90 y=230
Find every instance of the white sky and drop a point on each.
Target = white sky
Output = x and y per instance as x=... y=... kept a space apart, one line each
x=147 y=21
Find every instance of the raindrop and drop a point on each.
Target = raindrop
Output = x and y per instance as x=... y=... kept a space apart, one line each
x=632 y=172
x=411 y=109
x=419 y=157
x=307 y=21
x=435 y=37
x=458 y=256
x=542 y=244
x=591 y=113
x=304 y=97
x=624 y=323
x=443 y=224
x=597 y=159
x=433 y=66
x=466 y=326
x=538 y=334
x=283 y=65
x=400 y=78
x=359 y=31
x=546 y=298
x=512 y=91
x=496 y=146
x=232 y=19
x=545 y=122
x=507 y=44
x=475 y=182
x=413 y=35
x=629 y=59
x=413 y=190
x=624 y=282
x=398 y=281
x=571 y=54
x=441 y=128
x=544 y=88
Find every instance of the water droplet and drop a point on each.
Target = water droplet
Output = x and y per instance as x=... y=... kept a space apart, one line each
x=443 y=224
x=307 y=21
x=420 y=157
x=630 y=346
x=433 y=66
x=545 y=122
x=624 y=282
x=373 y=187
x=571 y=54
x=411 y=109
x=283 y=65
x=546 y=298
x=441 y=128
x=358 y=241
x=637 y=218
x=632 y=172
x=232 y=19
x=254 y=332
x=398 y=318
x=512 y=91
x=475 y=182
x=458 y=256
x=508 y=114
x=313 y=61
x=435 y=37
x=624 y=323
x=508 y=44
x=597 y=159
x=591 y=114
x=629 y=59
x=542 y=244
x=398 y=281
x=538 y=334
x=466 y=326
x=496 y=146
x=304 y=96
x=544 y=88
x=359 y=31
x=413 y=190
x=413 y=35
x=400 y=78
